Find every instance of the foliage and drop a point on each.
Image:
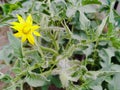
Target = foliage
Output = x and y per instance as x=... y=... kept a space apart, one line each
x=74 y=52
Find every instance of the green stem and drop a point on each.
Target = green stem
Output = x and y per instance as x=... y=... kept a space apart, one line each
x=19 y=76
x=26 y=71
x=95 y=49
x=29 y=52
x=54 y=41
x=40 y=51
x=67 y=29
x=49 y=49
x=23 y=55
x=68 y=32
x=21 y=86
x=37 y=66
x=53 y=65
x=56 y=45
x=33 y=3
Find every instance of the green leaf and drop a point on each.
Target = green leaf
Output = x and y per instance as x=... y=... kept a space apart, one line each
x=6 y=54
x=114 y=84
x=13 y=87
x=111 y=14
x=64 y=77
x=33 y=54
x=115 y=42
x=36 y=80
x=106 y=55
x=70 y=11
x=85 y=2
x=76 y=21
x=117 y=19
x=76 y=36
x=84 y=21
x=73 y=8
x=27 y=5
x=98 y=87
x=110 y=29
x=8 y=8
x=89 y=50
x=101 y=27
x=56 y=81
x=88 y=9
x=69 y=51
x=15 y=1
x=5 y=20
x=45 y=87
x=117 y=55
x=115 y=67
x=75 y=87
x=95 y=79
x=6 y=78
x=16 y=45
x=65 y=72
x=16 y=70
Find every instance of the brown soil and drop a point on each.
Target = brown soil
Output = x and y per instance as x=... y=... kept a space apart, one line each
x=3 y=36
x=3 y=41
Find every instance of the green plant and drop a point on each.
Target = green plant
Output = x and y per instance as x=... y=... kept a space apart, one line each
x=73 y=51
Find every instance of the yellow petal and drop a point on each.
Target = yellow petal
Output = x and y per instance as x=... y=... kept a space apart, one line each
x=31 y=39
x=15 y=23
x=18 y=34
x=24 y=38
x=35 y=27
x=29 y=19
x=36 y=33
x=20 y=19
x=18 y=28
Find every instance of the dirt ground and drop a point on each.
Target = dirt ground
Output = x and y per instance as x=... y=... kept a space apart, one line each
x=3 y=41
x=3 y=36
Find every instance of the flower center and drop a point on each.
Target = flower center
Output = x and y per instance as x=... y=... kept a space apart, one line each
x=26 y=29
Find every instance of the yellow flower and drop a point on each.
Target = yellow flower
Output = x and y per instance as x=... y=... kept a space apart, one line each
x=25 y=29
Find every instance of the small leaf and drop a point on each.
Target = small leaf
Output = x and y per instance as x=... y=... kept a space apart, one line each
x=13 y=87
x=16 y=45
x=8 y=8
x=70 y=11
x=36 y=80
x=84 y=21
x=88 y=9
x=33 y=54
x=101 y=27
x=56 y=81
x=117 y=55
x=115 y=82
x=6 y=53
x=64 y=77
x=65 y=72
x=86 y=2
x=106 y=55
x=89 y=50
x=6 y=78
x=111 y=15
x=98 y=87
x=16 y=70
x=76 y=36
x=115 y=67
x=115 y=42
